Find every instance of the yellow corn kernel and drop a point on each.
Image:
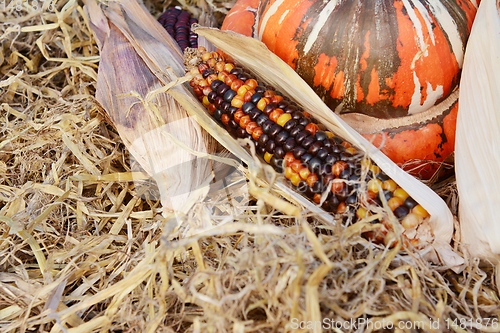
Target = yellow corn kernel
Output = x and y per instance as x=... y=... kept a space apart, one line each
x=390 y=185
x=374 y=169
x=289 y=172
x=401 y=193
x=361 y=213
x=267 y=157
x=304 y=173
x=373 y=185
x=330 y=134
x=295 y=179
x=283 y=119
x=420 y=211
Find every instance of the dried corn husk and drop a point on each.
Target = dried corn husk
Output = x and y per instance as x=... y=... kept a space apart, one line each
x=477 y=162
x=255 y=56
x=167 y=143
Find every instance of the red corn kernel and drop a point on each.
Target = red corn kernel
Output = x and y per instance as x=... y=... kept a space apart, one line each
x=317 y=198
x=238 y=115
x=215 y=55
x=211 y=62
x=202 y=67
x=275 y=115
x=211 y=78
x=206 y=90
x=211 y=109
x=342 y=208
x=251 y=127
x=236 y=84
x=262 y=103
x=248 y=95
x=296 y=166
x=223 y=76
x=312 y=179
x=346 y=144
x=219 y=67
x=197 y=90
x=192 y=84
x=306 y=114
x=394 y=203
x=312 y=128
x=237 y=101
x=230 y=79
x=289 y=158
x=244 y=121
x=257 y=133
x=269 y=93
x=276 y=99
x=337 y=185
x=338 y=167
x=252 y=83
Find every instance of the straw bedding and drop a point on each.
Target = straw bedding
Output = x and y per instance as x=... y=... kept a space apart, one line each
x=82 y=250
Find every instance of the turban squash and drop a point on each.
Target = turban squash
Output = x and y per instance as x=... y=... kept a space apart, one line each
x=389 y=68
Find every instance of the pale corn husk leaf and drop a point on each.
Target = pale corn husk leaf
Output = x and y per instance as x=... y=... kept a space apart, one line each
x=255 y=56
x=477 y=162
x=154 y=127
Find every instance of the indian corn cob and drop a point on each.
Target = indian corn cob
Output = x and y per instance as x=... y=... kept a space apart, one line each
x=313 y=160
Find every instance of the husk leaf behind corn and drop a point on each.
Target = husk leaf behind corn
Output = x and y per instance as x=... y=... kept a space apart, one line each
x=477 y=161
x=157 y=131
x=254 y=55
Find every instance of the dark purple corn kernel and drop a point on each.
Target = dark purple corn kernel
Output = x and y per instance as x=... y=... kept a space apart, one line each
x=317 y=187
x=207 y=72
x=351 y=200
x=302 y=186
x=229 y=95
x=301 y=136
x=247 y=107
x=279 y=152
x=297 y=115
x=215 y=84
x=298 y=152
x=233 y=124
x=256 y=98
x=314 y=148
x=263 y=140
x=338 y=140
x=271 y=145
x=269 y=108
x=218 y=101
x=255 y=114
x=241 y=132
x=331 y=159
x=289 y=145
x=305 y=159
x=322 y=153
x=260 y=89
x=324 y=170
x=212 y=96
x=281 y=137
x=383 y=177
x=304 y=121
x=225 y=107
x=337 y=149
x=321 y=135
x=314 y=164
x=275 y=129
x=221 y=90
x=308 y=142
x=290 y=125
x=410 y=202
x=388 y=194
x=261 y=150
x=218 y=114
x=345 y=174
x=401 y=211
x=296 y=130
x=261 y=120
x=231 y=111
x=266 y=127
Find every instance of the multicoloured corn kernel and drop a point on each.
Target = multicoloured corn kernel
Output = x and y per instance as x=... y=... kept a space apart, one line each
x=288 y=138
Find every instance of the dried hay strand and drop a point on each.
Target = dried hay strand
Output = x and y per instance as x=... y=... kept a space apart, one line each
x=83 y=250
